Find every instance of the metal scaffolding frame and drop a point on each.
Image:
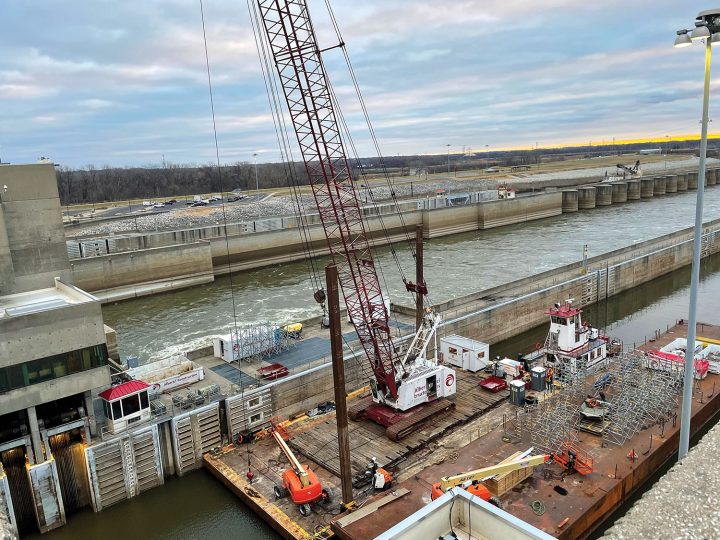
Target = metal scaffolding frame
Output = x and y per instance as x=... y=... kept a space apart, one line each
x=257 y=341
x=637 y=395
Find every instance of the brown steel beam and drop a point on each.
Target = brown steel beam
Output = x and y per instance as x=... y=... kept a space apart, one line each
x=336 y=348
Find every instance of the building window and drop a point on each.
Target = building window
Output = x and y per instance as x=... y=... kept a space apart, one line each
x=52 y=367
x=131 y=405
x=144 y=403
x=117 y=410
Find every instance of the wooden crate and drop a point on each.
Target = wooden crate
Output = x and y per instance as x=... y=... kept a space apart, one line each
x=502 y=483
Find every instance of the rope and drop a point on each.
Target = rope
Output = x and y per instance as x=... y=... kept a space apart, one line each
x=217 y=157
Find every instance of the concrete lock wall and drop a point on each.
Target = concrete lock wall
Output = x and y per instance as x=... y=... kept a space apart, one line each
x=647 y=187
x=569 y=201
x=509 y=211
x=149 y=270
x=682 y=182
x=671 y=183
x=607 y=274
x=659 y=186
x=603 y=195
x=117 y=276
x=692 y=180
x=712 y=177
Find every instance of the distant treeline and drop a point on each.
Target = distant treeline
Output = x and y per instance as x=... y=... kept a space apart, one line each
x=93 y=184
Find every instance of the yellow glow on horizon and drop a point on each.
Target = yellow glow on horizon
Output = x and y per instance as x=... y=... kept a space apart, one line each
x=600 y=142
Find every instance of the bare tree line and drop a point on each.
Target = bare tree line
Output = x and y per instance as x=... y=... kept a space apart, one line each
x=92 y=184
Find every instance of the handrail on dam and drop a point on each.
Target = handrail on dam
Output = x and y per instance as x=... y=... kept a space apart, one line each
x=97 y=245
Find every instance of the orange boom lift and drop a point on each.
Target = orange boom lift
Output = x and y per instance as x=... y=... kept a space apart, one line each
x=303 y=484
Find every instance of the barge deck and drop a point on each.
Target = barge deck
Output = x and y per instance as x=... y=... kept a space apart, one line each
x=588 y=500
x=441 y=448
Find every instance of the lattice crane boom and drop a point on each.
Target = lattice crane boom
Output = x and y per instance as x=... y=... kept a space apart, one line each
x=302 y=76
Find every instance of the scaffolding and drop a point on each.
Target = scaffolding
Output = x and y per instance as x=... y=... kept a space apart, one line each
x=258 y=341
x=636 y=396
x=639 y=396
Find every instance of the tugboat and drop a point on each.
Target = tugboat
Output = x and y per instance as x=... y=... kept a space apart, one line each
x=571 y=344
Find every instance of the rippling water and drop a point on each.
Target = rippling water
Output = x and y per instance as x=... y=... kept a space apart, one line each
x=154 y=326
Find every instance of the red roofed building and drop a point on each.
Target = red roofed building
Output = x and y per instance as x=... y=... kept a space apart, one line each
x=126 y=404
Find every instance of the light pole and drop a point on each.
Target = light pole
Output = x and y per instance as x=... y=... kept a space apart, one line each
x=448 y=155
x=257 y=186
x=707 y=23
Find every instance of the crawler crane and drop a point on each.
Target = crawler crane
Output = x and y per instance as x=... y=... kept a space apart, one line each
x=406 y=389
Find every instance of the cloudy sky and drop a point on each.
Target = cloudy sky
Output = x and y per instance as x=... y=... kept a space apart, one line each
x=124 y=83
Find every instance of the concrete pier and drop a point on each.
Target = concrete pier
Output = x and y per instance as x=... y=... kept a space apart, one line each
x=633 y=190
x=603 y=194
x=671 y=183
x=659 y=186
x=647 y=187
x=682 y=182
x=619 y=192
x=692 y=180
x=586 y=197
x=569 y=201
x=712 y=177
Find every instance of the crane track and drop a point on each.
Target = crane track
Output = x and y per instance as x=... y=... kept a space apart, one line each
x=405 y=427
x=357 y=409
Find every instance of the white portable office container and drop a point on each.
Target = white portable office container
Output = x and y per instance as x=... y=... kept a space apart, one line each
x=464 y=353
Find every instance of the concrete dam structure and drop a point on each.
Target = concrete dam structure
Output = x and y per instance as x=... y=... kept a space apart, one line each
x=130 y=265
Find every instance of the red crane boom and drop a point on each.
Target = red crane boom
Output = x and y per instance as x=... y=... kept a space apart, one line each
x=302 y=76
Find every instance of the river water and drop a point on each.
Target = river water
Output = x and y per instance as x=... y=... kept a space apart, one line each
x=155 y=326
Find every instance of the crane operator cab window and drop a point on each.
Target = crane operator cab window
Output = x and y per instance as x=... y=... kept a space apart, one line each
x=431 y=384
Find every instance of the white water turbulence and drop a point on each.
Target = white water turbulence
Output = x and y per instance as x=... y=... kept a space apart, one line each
x=155 y=327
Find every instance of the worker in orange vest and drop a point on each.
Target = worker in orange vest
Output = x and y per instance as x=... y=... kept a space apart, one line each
x=549 y=377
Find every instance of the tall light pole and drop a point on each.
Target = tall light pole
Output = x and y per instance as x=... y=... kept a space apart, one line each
x=707 y=23
x=448 y=156
x=257 y=186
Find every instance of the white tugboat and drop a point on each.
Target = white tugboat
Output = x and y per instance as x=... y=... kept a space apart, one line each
x=571 y=344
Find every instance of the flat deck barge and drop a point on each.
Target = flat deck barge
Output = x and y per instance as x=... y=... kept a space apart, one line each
x=589 y=499
x=445 y=447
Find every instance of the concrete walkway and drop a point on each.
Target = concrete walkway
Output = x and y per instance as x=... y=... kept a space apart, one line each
x=683 y=504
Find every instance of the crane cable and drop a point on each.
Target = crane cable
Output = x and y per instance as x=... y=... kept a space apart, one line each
x=219 y=172
x=376 y=145
x=281 y=133
x=366 y=115
x=283 y=137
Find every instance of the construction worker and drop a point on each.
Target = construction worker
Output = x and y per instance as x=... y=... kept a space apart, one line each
x=549 y=377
